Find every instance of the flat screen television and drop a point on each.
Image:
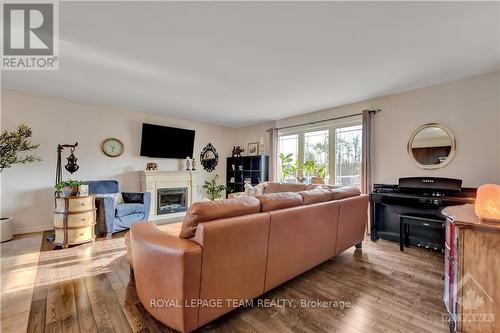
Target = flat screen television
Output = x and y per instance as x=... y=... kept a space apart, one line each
x=166 y=142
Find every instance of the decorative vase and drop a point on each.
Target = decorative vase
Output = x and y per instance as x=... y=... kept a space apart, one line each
x=6 y=229
x=69 y=191
x=188 y=164
x=83 y=190
x=261 y=146
x=193 y=164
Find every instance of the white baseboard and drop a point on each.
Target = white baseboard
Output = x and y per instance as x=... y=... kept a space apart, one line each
x=28 y=230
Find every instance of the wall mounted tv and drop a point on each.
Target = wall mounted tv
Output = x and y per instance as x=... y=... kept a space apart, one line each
x=166 y=142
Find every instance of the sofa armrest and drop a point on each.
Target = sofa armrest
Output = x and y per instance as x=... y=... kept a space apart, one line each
x=105 y=215
x=353 y=218
x=167 y=272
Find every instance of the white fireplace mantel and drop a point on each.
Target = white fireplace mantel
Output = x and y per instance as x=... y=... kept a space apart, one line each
x=152 y=181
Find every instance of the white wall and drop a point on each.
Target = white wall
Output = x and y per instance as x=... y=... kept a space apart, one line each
x=469 y=107
x=27 y=190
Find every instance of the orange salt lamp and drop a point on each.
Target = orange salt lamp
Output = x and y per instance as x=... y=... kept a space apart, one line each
x=488 y=202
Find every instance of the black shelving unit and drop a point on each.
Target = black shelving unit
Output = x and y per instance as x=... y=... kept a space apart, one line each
x=255 y=168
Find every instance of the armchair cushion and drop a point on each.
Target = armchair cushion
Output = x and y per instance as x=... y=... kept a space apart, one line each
x=129 y=208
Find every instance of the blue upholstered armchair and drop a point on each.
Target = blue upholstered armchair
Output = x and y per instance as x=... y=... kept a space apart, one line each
x=112 y=216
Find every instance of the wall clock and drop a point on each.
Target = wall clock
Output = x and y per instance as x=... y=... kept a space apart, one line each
x=112 y=147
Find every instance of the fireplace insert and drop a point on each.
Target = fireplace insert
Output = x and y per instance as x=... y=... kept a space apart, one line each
x=171 y=200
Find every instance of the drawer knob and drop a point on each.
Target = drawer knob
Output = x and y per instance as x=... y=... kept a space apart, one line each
x=83 y=204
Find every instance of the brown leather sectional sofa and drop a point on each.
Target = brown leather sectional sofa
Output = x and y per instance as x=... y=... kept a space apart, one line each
x=238 y=249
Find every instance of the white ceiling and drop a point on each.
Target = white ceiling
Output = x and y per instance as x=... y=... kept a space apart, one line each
x=238 y=64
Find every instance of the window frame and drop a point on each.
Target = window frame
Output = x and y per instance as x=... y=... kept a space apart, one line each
x=332 y=142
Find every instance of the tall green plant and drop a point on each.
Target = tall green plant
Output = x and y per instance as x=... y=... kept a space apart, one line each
x=213 y=189
x=288 y=167
x=13 y=144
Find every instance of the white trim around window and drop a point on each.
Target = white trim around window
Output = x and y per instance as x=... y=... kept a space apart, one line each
x=332 y=144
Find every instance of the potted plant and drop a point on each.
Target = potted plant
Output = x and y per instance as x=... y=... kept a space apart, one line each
x=213 y=189
x=288 y=167
x=69 y=188
x=319 y=174
x=316 y=172
x=13 y=146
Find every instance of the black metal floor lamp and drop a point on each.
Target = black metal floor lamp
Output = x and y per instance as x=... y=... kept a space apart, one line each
x=71 y=166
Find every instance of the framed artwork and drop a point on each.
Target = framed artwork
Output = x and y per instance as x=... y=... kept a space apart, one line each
x=253 y=149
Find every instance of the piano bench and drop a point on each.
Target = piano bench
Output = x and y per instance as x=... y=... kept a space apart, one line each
x=404 y=227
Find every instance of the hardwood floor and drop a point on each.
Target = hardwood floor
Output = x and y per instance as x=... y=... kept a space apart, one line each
x=88 y=288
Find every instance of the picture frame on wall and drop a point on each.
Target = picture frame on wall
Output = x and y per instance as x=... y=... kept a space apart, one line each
x=253 y=149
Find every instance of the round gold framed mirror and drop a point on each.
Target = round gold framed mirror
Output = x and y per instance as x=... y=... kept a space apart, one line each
x=432 y=146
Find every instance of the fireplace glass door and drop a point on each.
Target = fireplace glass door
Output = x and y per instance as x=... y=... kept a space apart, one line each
x=172 y=200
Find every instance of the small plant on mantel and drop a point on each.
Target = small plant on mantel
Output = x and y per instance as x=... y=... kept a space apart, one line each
x=214 y=190
x=13 y=144
x=69 y=188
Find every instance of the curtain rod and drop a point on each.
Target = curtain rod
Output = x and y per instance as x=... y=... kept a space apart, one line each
x=325 y=120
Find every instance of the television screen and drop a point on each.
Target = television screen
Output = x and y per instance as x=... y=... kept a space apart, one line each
x=166 y=142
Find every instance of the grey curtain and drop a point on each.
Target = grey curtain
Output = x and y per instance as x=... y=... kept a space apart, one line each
x=273 y=154
x=366 y=173
x=366 y=177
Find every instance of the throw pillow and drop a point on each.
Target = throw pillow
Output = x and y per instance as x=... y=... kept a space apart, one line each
x=259 y=188
x=116 y=196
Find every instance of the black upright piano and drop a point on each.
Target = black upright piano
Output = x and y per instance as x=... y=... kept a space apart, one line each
x=417 y=198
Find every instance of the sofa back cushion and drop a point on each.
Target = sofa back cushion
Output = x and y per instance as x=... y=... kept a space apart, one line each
x=314 y=196
x=282 y=200
x=345 y=192
x=214 y=210
x=320 y=186
x=284 y=187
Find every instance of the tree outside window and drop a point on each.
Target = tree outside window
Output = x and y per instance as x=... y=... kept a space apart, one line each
x=333 y=153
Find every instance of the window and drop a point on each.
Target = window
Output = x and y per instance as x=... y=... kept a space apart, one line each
x=288 y=156
x=316 y=153
x=332 y=152
x=348 y=156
